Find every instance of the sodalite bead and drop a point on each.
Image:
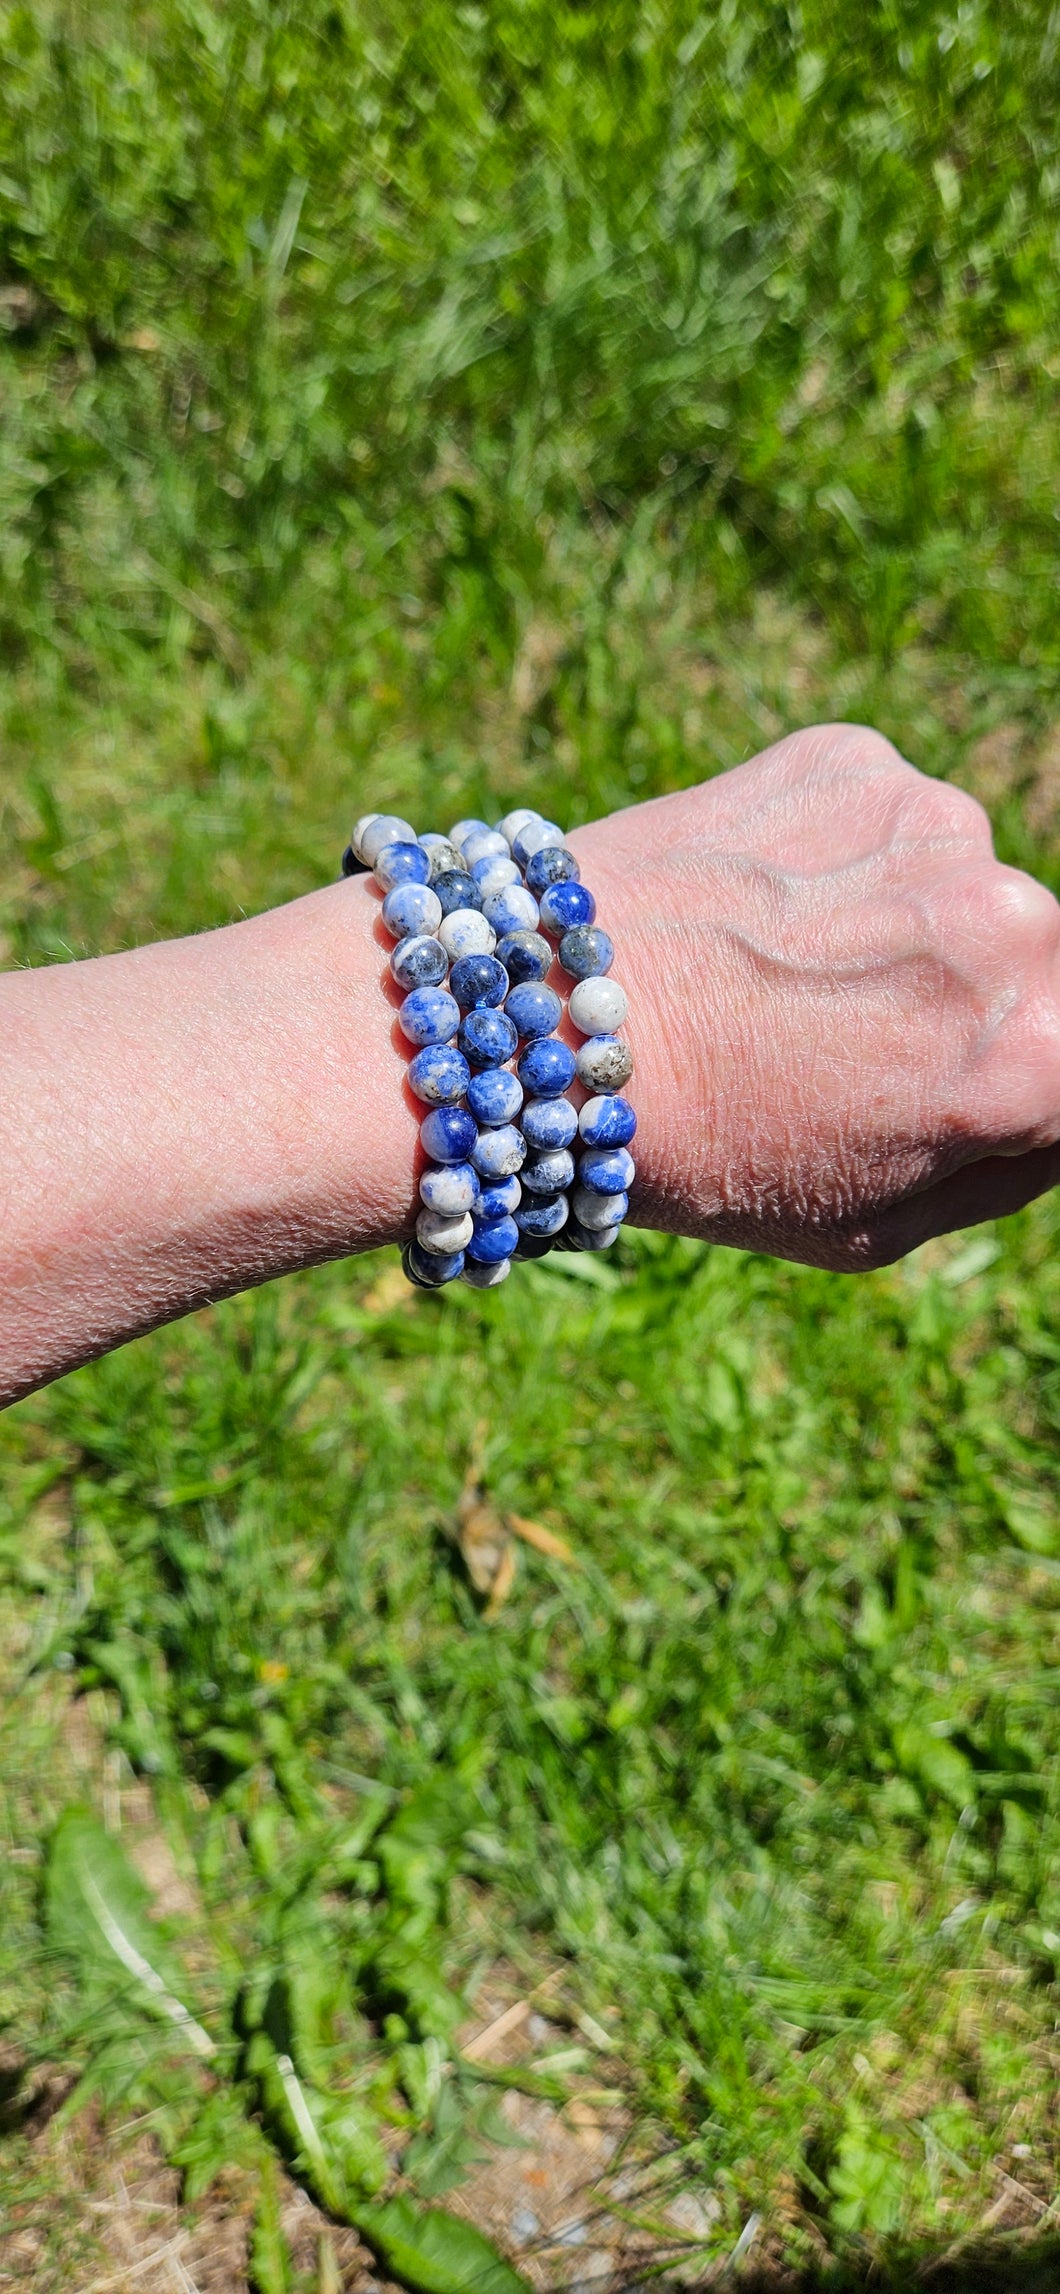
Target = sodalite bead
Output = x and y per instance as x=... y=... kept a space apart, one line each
x=494 y=1096
x=358 y=831
x=487 y=1038
x=438 y=1231
x=442 y=856
x=533 y=1246
x=493 y=875
x=605 y=1063
x=493 y=1239
x=401 y=864
x=351 y=866
x=585 y=950
x=498 y=1154
x=383 y=828
x=499 y=1200
x=607 y=1122
x=466 y=932
x=429 y=1016
x=478 y=980
x=545 y=1216
x=484 y=844
x=598 y=1210
x=533 y=838
x=512 y=910
x=607 y=1170
x=448 y=1134
x=579 y=1238
x=456 y=888
x=525 y=955
x=546 y=1067
x=429 y=1269
x=419 y=962
x=513 y=821
x=552 y=865
x=462 y=829
x=598 y=1006
x=411 y=908
x=549 y=1123
x=486 y=1275
x=452 y=1189
x=565 y=906
x=439 y=1074
x=534 y=1009
x=548 y=1173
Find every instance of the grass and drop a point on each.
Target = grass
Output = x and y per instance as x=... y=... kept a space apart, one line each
x=435 y=408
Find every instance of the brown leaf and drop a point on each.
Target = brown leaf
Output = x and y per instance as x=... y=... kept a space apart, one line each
x=545 y=1540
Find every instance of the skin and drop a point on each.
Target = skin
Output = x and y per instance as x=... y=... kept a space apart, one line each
x=844 y=1013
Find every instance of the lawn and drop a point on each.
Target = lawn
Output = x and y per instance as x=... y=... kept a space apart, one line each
x=445 y=408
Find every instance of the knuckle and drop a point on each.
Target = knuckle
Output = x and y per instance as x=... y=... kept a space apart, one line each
x=1022 y=910
x=962 y=814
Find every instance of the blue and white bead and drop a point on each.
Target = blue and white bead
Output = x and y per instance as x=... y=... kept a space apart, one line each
x=430 y=1269
x=401 y=864
x=466 y=932
x=500 y=1153
x=552 y=865
x=377 y=829
x=448 y=1134
x=534 y=1009
x=607 y=1121
x=486 y=1274
x=604 y=1063
x=546 y=1068
x=492 y=1240
x=419 y=962
x=487 y=1038
x=563 y=907
x=439 y=1074
x=533 y=836
x=607 y=1170
x=525 y=956
x=451 y=1189
x=444 y=1232
x=499 y=1199
x=549 y=1123
x=549 y=1173
x=494 y=1096
x=429 y=1016
x=478 y=980
x=484 y=844
x=513 y=909
x=585 y=951
x=543 y=1215
x=456 y=889
x=411 y=908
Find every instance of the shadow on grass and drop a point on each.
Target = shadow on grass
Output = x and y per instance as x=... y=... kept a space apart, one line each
x=987 y=2266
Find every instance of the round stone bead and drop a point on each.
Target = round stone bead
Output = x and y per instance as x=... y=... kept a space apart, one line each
x=533 y=1246
x=478 y=981
x=442 y=856
x=419 y=962
x=534 y=1009
x=499 y=1200
x=546 y=1067
x=598 y=1006
x=439 y=1074
x=492 y=1240
x=486 y=1274
x=549 y=1123
x=494 y=1096
x=455 y=888
x=448 y=1134
x=451 y=1189
x=429 y=1015
x=533 y=838
x=579 y=1238
x=401 y=864
x=357 y=834
x=598 y=1210
x=351 y=866
x=513 y=909
x=564 y=906
x=605 y=1063
x=514 y=821
x=430 y=1269
x=487 y=1038
x=383 y=828
x=465 y=932
x=552 y=865
x=607 y=1122
x=493 y=875
x=585 y=951
x=607 y=1170
x=439 y=1231
x=524 y=955
x=411 y=908
x=484 y=844
x=548 y=1173
x=498 y=1154
x=462 y=829
x=544 y=1216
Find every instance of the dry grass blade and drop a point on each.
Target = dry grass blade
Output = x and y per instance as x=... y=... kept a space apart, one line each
x=543 y=1540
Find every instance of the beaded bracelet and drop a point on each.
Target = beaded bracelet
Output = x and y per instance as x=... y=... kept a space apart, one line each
x=473 y=915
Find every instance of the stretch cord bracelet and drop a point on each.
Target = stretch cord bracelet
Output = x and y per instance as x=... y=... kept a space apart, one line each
x=470 y=913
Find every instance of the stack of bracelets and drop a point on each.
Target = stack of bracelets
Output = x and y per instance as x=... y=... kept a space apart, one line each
x=474 y=916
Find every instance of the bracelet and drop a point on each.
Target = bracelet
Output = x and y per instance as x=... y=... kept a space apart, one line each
x=474 y=915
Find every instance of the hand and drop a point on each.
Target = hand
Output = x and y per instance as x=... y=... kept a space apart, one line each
x=845 y=1013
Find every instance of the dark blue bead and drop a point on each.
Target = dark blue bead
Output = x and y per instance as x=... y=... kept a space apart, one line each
x=495 y=1096
x=478 y=980
x=455 y=889
x=535 y=1009
x=532 y=1246
x=564 y=906
x=351 y=866
x=544 y=1216
x=548 y=1123
x=499 y=1200
x=553 y=865
x=419 y=962
x=607 y=1171
x=548 y=1173
x=585 y=952
x=487 y=1038
x=448 y=1134
x=607 y=1122
x=492 y=1240
x=546 y=1067
x=430 y=1269
x=524 y=955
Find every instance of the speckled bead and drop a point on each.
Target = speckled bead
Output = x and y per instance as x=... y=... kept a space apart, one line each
x=512 y=910
x=548 y=1173
x=401 y=864
x=439 y=1074
x=429 y=1269
x=358 y=832
x=524 y=955
x=585 y=951
x=492 y=1240
x=549 y=1123
x=552 y=865
x=451 y=1189
x=462 y=829
x=564 y=907
x=419 y=962
x=466 y=932
x=383 y=828
x=598 y=1210
x=448 y=1134
x=579 y=1238
x=499 y=1200
x=429 y=1016
x=598 y=1006
x=486 y=1274
x=478 y=981
x=484 y=844
x=411 y=908
x=604 y=1063
x=513 y=821
x=546 y=1067
x=438 y=1231
x=545 y=1215
x=533 y=837
x=493 y=875
x=442 y=856
x=533 y=1009
x=498 y=1154
x=456 y=888
x=494 y=1096
x=607 y=1170
x=607 y=1122
x=487 y=1038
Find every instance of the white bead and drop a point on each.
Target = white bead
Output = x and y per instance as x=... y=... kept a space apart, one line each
x=386 y=828
x=604 y=1062
x=438 y=1231
x=486 y=1277
x=597 y=1210
x=496 y=876
x=481 y=844
x=466 y=933
x=462 y=828
x=358 y=829
x=514 y=821
x=598 y=1007
x=451 y=1191
x=538 y=835
x=513 y=909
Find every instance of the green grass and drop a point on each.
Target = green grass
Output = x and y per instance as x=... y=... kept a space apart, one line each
x=439 y=407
